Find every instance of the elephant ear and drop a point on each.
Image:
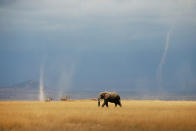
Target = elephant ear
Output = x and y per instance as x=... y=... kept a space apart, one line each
x=107 y=96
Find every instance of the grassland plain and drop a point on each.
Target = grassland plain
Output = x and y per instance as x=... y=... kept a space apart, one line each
x=84 y=115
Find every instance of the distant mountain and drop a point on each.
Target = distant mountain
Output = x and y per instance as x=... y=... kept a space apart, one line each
x=27 y=90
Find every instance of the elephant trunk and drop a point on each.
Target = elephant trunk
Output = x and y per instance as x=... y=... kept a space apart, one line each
x=98 y=101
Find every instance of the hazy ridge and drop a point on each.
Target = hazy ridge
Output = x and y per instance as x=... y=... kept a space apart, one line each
x=29 y=90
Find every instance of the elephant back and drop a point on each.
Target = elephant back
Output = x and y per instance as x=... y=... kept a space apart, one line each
x=115 y=95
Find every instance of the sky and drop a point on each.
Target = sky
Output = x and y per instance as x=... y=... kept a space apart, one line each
x=95 y=45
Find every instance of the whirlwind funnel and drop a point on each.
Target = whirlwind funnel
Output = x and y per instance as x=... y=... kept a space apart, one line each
x=163 y=58
x=41 y=86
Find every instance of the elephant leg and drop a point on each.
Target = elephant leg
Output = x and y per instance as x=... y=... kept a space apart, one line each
x=119 y=103
x=105 y=103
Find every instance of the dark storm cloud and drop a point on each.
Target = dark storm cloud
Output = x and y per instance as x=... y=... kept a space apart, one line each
x=97 y=44
x=7 y=2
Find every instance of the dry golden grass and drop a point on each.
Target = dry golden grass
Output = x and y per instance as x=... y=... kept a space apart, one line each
x=84 y=115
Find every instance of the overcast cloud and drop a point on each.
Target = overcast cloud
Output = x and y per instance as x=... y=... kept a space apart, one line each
x=99 y=44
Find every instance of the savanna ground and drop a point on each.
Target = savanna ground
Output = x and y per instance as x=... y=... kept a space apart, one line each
x=84 y=115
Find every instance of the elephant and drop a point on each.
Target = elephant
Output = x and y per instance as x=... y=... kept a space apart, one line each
x=112 y=97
